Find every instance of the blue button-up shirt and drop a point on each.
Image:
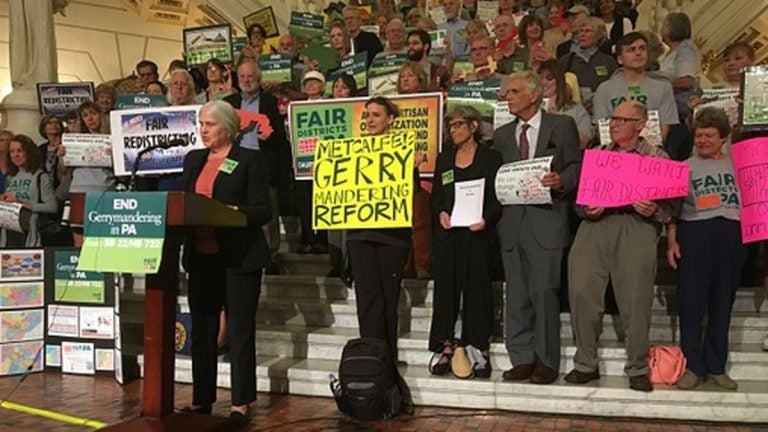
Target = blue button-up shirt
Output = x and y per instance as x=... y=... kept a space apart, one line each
x=251 y=139
x=456 y=29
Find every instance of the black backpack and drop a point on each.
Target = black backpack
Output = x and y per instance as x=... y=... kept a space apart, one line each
x=367 y=386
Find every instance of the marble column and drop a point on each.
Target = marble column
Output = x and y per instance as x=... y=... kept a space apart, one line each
x=32 y=60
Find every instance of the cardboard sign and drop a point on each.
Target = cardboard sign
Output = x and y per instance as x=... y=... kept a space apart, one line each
x=265 y=18
x=750 y=163
x=614 y=179
x=364 y=182
x=204 y=43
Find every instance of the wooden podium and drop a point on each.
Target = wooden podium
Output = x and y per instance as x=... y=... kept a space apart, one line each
x=184 y=210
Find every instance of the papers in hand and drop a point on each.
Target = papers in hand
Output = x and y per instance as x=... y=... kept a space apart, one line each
x=87 y=150
x=520 y=182
x=10 y=216
x=468 y=204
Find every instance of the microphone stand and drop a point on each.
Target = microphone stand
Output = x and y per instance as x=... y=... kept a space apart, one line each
x=142 y=152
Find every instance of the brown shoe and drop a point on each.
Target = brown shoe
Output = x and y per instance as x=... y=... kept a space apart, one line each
x=543 y=374
x=520 y=372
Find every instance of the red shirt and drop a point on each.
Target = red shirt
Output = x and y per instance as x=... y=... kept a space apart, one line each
x=205 y=238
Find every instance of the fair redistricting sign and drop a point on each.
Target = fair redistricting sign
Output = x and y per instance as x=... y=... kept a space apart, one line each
x=135 y=130
x=61 y=98
x=124 y=232
x=313 y=121
x=613 y=179
x=364 y=182
x=750 y=163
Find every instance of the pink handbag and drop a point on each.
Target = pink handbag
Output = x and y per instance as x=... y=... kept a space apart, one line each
x=666 y=364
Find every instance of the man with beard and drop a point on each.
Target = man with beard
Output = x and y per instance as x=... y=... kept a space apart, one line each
x=271 y=143
x=419 y=45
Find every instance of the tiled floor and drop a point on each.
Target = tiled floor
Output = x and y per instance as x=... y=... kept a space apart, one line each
x=103 y=399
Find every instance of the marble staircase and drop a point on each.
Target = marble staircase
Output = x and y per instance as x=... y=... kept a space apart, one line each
x=304 y=320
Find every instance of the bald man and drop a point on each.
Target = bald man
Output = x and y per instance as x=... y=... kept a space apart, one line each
x=620 y=244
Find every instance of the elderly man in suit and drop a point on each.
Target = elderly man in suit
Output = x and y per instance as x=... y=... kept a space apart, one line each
x=533 y=237
x=273 y=144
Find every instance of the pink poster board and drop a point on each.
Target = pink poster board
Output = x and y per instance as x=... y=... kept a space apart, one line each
x=750 y=162
x=613 y=179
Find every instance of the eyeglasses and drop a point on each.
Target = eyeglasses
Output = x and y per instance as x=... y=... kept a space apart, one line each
x=622 y=120
x=478 y=49
x=457 y=124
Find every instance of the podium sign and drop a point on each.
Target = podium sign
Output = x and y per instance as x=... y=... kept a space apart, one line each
x=124 y=232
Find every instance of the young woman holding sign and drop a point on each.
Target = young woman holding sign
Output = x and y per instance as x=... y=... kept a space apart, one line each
x=237 y=177
x=378 y=257
x=461 y=253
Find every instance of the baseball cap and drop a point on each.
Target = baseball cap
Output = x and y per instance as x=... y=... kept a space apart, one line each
x=313 y=75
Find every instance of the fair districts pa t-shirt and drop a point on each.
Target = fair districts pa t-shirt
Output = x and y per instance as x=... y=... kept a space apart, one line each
x=713 y=191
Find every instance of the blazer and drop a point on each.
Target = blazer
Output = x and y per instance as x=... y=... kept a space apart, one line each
x=558 y=137
x=487 y=162
x=277 y=144
x=245 y=187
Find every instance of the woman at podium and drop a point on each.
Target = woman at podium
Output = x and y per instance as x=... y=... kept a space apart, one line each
x=236 y=177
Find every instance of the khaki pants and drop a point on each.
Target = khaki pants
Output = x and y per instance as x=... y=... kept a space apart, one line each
x=622 y=247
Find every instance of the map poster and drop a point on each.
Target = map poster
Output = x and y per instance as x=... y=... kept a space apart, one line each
x=21 y=264
x=105 y=359
x=15 y=295
x=15 y=358
x=21 y=325
x=97 y=322
x=53 y=355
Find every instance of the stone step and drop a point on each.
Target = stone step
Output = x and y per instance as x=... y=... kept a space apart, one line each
x=746 y=361
x=608 y=396
x=304 y=264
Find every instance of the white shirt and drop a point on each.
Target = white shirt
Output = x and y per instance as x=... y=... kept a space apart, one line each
x=534 y=126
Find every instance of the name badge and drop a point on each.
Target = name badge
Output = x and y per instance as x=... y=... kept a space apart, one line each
x=447 y=177
x=228 y=165
x=518 y=66
x=601 y=71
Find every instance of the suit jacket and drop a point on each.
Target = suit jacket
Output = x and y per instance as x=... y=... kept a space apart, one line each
x=558 y=137
x=276 y=146
x=245 y=187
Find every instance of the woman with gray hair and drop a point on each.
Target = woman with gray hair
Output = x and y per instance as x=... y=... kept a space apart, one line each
x=181 y=88
x=460 y=258
x=236 y=177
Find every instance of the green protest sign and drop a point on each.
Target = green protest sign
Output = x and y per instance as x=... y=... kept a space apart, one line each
x=73 y=286
x=276 y=67
x=482 y=95
x=462 y=66
x=325 y=56
x=132 y=101
x=124 y=232
x=355 y=66
x=238 y=44
x=307 y=26
x=386 y=64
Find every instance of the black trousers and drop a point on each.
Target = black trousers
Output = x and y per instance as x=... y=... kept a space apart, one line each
x=461 y=268
x=709 y=272
x=308 y=235
x=213 y=286
x=378 y=272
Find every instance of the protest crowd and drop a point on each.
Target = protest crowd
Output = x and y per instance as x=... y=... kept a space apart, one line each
x=560 y=88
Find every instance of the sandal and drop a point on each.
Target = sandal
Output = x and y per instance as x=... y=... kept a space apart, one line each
x=443 y=364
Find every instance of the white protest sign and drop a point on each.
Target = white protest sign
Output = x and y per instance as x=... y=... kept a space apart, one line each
x=520 y=182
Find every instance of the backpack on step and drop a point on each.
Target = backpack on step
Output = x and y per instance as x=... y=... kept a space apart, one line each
x=666 y=364
x=367 y=385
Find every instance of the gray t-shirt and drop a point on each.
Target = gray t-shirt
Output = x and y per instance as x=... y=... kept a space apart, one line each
x=654 y=92
x=713 y=192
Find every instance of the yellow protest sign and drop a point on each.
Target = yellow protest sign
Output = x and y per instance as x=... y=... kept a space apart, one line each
x=364 y=182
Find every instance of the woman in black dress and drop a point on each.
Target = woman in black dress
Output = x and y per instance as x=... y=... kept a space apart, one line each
x=460 y=257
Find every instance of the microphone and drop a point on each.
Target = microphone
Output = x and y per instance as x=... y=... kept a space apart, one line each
x=165 y=145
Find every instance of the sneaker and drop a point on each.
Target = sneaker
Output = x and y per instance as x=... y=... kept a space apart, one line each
x=689 y=380
x=724 y=381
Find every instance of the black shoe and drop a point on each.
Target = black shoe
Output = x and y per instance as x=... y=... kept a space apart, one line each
x=441 y=367
x=485 y=371
x=579 y=377
x=318 y=249
x=238 y=420
x=304 y=249
x=640 y=383
x=204 y=409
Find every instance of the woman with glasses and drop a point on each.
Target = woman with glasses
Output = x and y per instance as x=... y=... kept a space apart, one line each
x=460 y=259
x=219 y=78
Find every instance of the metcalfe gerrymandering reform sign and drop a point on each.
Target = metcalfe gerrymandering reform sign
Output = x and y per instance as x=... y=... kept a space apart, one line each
x=613 y=179
x=124 y=232
x=134 y=130
x=61 y=98
x=364 y=182
x=312 y=121
x=750 y=164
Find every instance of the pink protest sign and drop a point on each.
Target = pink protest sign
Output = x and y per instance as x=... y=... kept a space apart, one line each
x=613 y=179
x=750 y=162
